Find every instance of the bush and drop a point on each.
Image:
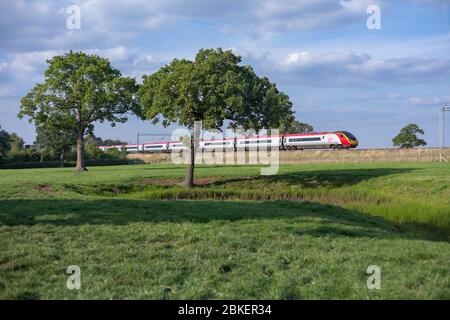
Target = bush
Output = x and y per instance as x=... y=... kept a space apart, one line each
x=23 y=155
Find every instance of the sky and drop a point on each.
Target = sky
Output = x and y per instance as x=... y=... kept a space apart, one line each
x=339 y=73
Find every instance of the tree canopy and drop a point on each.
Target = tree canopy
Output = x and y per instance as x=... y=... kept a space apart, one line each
x=213 y=89
x=407 y=138
x=79 y=90
x=296 y=127
x=56 y=140
x=16 y=142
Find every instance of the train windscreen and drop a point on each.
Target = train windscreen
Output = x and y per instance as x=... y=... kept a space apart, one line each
x=349 y=135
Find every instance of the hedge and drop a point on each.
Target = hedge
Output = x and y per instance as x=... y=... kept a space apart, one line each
x=56 y=164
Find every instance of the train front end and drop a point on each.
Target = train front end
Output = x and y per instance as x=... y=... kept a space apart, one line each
x=348 y=140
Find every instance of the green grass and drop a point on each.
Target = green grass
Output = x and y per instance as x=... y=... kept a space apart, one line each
x=309 y=232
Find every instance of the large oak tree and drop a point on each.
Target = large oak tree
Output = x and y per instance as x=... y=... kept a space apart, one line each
x=212 y=88
x=79 y=90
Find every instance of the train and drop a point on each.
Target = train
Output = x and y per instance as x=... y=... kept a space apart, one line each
x=285 y=142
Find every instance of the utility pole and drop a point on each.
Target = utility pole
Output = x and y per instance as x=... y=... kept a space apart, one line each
x=442 y=111
x=137 y=142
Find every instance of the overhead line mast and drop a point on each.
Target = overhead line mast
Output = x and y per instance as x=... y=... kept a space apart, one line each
x=442 y=111
x=149 y=135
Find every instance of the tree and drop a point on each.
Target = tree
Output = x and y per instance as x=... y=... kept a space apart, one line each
x=407 y=138
x=5 y=144
x=109 y=142
x=17 y=143
x=263 y=106
x=212 y=88
x=296 y=127
x=79 y=90
x=56 y=140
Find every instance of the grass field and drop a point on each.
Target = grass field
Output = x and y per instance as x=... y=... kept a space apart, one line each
x=309 y=232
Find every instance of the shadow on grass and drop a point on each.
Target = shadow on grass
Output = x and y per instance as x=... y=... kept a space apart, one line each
x=302 y=179
x=328 y=220
x=319 y=178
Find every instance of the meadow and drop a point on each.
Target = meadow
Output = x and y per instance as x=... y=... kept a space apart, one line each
x=309 y=232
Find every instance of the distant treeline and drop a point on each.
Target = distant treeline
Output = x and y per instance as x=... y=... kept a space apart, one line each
x=15 y=154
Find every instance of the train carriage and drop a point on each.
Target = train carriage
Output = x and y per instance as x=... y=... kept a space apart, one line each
x=131 y=148
x=155 y=147
x=175 y=146
x=217 y=144
x=306 y=141
x=253 y=143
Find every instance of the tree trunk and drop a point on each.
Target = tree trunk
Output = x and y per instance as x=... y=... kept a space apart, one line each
x=189 y=181
x=61 y=159
x=80 y=153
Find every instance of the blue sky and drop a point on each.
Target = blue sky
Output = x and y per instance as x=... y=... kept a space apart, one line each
x=337 y=72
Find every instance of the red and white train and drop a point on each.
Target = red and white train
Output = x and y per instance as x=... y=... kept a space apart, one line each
x=316 y=140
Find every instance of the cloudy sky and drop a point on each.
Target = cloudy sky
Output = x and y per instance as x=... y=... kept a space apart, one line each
x=339 y=73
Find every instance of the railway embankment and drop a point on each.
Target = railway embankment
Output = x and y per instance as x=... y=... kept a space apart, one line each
x=324 y=156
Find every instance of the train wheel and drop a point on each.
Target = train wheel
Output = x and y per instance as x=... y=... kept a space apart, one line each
x=339 y=146
x=332 y=146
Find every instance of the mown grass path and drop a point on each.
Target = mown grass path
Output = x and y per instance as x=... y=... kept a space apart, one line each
x=309 y=232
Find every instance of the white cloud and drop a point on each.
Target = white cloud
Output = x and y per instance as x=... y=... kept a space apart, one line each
x=23 y=64
x=115 y=54
x=348 y=68
x=429 y=101
x=308 y=15
x=41 y=25
x=307 y=59
x=6 y=91
x=19 y=72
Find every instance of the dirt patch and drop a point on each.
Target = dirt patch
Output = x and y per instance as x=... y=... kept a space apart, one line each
x=206 y=181
x=46 y=188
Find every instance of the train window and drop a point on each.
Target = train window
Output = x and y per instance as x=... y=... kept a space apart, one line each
x=153 y=147
x=216 y=143
x=255 y=141
x=304 y=139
